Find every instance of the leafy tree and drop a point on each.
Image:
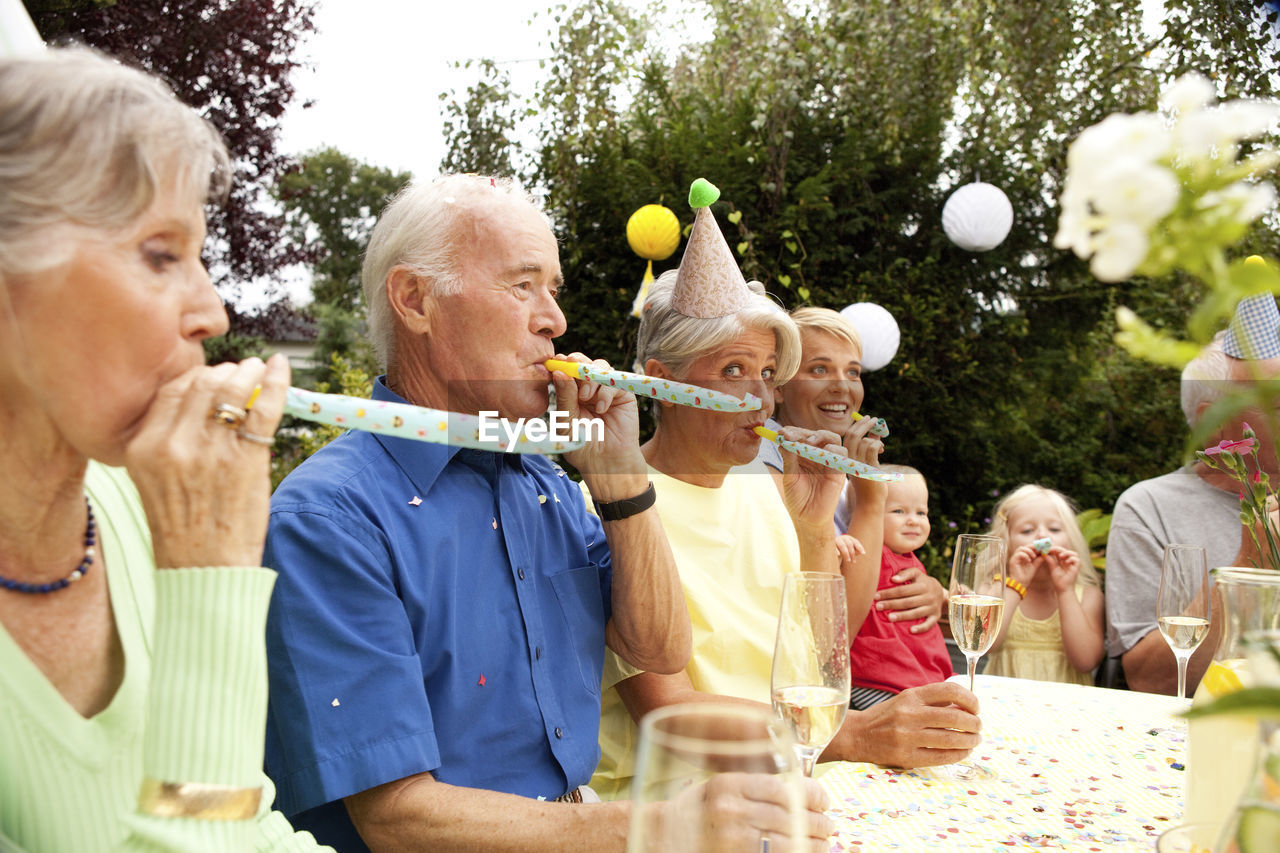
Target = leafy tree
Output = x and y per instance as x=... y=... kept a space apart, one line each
x=836 y=132
x=331 y=203
x=232 y=61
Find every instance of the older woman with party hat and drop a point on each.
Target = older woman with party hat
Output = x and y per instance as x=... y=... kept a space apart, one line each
x=736 y=532
x=132 y=605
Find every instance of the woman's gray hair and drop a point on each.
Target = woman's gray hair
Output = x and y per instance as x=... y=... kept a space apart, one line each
x=85 y=144
x=419 y=229
x=677 y=340
x=1206 y=378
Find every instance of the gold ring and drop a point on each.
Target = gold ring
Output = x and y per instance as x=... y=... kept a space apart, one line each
x=264 y=440
x=197 y=800
x=228 y=415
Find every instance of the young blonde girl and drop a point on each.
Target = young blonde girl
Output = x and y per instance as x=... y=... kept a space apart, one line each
x=1053 y=615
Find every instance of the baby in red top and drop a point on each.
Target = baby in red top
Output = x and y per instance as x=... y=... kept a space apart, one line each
x=888 y=656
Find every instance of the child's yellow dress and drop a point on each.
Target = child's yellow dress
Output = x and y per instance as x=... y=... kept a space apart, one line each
x=1033 y=649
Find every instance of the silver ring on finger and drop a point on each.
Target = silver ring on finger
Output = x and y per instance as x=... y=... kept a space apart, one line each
x=254 y=438
x=228 y=415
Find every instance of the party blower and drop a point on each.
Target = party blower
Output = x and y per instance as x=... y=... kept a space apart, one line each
x=825 y=457
x=680 y=393
x=422 y=424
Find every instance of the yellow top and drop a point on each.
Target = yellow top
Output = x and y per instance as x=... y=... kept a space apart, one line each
x=733 y=545
x=1033 y=649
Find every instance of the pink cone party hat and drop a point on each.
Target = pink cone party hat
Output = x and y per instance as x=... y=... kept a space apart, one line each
x=1254 y=332
x=709 y=283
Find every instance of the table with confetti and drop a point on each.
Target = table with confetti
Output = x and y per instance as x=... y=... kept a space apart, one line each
x=1071 y=768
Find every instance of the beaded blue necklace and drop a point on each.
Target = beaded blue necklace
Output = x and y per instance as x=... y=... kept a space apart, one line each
x=90 y=539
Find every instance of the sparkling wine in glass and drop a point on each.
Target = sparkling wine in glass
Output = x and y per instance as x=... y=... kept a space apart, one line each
x=976 y=595
x=810 y=682
x=1182 y=608
x=976 y=607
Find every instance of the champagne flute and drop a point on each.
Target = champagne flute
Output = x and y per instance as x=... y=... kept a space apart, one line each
x=692 y=759
x=976 y=595
x=810 y=680
x=1182 y=607
x=976 y=608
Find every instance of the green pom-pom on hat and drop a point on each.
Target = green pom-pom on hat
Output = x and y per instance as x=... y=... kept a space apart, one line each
x=702 y=193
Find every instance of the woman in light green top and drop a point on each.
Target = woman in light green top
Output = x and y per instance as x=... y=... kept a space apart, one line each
x=134 y=507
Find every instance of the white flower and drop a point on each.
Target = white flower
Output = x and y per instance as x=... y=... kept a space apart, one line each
x=1141 y=136
x=1239 y=202
x=1120 y=248
x=1073 y=232
x=1215 y=132
x=1246 y=119
x=1188 y=93
x=1136 y=192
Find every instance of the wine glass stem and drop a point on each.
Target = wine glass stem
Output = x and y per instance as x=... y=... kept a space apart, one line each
x=972 y=660
x=808 y=758
x=1182 y=676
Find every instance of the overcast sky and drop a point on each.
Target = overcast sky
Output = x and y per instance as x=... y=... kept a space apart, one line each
x=379 y=66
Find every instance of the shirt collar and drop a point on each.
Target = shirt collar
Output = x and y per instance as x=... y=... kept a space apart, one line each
x=424 y=462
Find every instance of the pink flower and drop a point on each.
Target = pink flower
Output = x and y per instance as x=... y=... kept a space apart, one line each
x=1244 y=445
x=1257 y=477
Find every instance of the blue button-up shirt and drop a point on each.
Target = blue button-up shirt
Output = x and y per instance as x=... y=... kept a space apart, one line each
x=437 y=610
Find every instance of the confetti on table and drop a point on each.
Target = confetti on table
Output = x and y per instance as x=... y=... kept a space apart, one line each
x=680 y=393
x=1088 y=776
x=825 y=457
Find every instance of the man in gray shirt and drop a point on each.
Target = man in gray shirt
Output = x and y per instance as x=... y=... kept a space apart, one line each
x=1194 y=505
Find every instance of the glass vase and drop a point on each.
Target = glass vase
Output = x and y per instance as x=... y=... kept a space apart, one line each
x=1221 y=750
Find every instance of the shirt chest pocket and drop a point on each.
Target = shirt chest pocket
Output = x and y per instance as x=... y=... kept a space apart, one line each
x=581 y=622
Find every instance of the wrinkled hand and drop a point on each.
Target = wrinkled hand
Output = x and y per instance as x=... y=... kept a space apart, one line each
x=848 y=547
x=1064 y=568
x=921 y=727
x=619 y=452
x=736 y=810
x=811 y=490
x=1023 y=564
x=914 y=596
x=205 y=490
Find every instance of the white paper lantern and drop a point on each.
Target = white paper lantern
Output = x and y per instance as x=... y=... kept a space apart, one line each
x=977 y=217
x=878 y=330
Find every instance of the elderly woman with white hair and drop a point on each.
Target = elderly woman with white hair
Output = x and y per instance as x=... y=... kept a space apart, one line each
x=132 y=602
x=736 y=531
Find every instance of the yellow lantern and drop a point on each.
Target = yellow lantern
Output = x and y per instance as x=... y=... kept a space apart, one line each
x=653 y=233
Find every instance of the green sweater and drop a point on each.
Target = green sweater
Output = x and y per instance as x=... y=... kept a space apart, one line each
x=192 y=708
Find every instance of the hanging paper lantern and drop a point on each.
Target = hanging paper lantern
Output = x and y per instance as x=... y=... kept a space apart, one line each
x=878 y=330
x=977 y=217
x=653 y=233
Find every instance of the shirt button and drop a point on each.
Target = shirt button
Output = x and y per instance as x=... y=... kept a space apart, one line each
x=537 y=653
x=520 y=573
x=559 y=732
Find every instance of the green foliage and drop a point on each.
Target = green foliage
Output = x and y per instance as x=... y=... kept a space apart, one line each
x=342 y=344
x=233 y=347
x=1096 y=527
x=296 y=440
x=331 y=203
x=835 y=132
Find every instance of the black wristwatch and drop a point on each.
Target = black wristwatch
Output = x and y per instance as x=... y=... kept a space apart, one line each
x=618 y=510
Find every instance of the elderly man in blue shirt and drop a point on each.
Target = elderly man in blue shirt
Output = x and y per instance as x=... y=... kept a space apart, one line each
x=437 y=633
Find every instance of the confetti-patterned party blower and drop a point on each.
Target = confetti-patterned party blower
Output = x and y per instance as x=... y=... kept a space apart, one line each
x=423 y=424
x=880 y=430
x=659 y=389
x=826 y=457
